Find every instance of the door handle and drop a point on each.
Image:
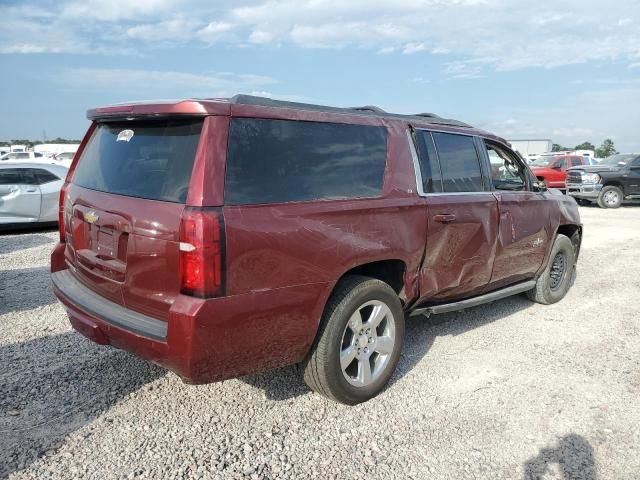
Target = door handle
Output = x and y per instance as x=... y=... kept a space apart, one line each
x=444 y=217
x=32 y=190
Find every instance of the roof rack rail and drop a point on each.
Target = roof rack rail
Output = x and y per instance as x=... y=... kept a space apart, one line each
x=243 y=99
x=368 y=108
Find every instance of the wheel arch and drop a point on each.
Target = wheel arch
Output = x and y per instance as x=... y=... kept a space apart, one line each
x=391 y=271
x=614 y=183
x=574 y=233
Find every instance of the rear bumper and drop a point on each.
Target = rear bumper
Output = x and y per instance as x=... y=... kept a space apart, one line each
x=585 y=191
x=204 y=340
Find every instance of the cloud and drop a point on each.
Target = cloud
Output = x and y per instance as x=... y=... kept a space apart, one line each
x=169 y=83
x=163 y=31
x=259 y=36
x=590 y=115
x=414 y=47
x=463 y=70
x=487 y=34
x=114 y=10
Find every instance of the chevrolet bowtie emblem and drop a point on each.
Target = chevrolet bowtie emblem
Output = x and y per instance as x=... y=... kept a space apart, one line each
x=91 y=217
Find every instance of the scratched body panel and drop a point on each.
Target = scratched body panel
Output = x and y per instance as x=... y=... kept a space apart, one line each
x=459 y=255
x=525 y=235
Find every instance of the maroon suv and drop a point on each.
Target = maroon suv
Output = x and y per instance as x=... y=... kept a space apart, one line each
x=222 y=237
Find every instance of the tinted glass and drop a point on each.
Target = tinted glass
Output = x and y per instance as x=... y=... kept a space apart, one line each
x=459 y=162
x=15 y=176
x=21 y=156
x=141 y=159
x=575 y=161
x=560 y=163
x=429 y=167
x=37 y=155
x=43 y=176
x=274 y=161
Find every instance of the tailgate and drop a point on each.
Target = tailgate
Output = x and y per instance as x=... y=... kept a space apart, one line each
x=123 y=209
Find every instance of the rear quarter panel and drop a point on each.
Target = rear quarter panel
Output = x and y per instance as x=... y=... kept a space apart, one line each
x=303 y=247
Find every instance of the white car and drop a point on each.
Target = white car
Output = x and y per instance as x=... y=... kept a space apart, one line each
x=35 y=157
x=29 y=192
x=22 y=157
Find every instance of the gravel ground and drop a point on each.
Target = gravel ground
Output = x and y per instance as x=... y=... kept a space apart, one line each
x=508 y=390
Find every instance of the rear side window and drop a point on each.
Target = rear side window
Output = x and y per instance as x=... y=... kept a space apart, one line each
x=14 y=176
x=150 y=159
x=43 y=176
x=429 y=167
x=275 y=161
x=459 y=163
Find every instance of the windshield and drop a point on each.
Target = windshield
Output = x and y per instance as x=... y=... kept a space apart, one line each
x=542 y=161
x=617 y=160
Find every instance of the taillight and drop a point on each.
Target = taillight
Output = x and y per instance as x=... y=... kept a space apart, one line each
x=61 y=219
x=202 y=246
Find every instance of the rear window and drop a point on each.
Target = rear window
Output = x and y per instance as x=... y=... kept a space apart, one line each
x=275 y=161
x=151 y=159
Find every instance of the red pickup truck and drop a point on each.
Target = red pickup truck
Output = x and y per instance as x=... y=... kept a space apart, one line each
x=552 y=170
x=224 y=237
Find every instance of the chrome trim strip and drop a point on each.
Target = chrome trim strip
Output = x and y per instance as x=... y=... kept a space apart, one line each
x=453 y=132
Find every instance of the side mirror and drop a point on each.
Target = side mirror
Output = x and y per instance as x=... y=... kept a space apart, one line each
x=539 y=186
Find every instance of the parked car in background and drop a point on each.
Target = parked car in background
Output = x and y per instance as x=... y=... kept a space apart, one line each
x=35 y=157
x=610 y=182
x=30 y=193
x=552 y=169
x=22 y=156
x=224 y=237
x=64 y=158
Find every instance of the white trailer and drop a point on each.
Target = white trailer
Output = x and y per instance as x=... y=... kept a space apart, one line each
x=531 y=149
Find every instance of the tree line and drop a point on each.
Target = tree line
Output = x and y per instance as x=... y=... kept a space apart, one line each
x=603 y=151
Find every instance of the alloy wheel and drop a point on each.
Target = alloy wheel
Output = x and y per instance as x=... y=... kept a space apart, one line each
x=367 y=344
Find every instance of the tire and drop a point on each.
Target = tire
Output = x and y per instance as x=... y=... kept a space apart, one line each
x=356 y=297
x=610 y=197
x=553 y=284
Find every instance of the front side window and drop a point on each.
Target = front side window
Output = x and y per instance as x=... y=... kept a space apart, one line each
x=277 y=161
x=576 y=161
x=459 y=163
x=506 y=172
